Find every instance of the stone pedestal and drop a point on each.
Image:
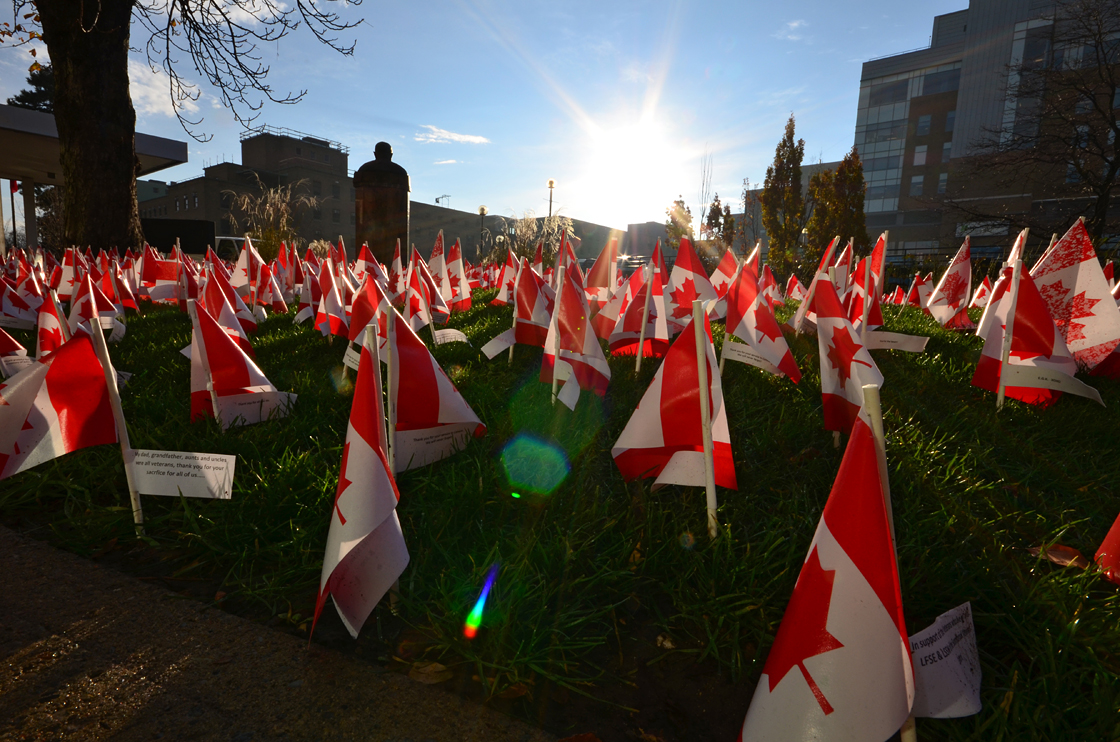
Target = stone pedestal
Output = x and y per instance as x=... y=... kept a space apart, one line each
x=382 y=204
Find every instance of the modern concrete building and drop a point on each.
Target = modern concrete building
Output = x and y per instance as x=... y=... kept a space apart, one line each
x=275 y=157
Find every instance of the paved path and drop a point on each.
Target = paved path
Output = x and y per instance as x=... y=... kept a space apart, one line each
x=87 y=653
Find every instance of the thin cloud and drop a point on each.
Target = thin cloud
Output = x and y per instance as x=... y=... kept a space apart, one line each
x=435 y=135
x=792 y=31
x=151 y=94
x=445 y=162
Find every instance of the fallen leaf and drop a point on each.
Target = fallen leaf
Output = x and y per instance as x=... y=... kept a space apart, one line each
x=1063 y=556
x=429 y=673
x=664 y=642
x=515 y=691
x=219 y=596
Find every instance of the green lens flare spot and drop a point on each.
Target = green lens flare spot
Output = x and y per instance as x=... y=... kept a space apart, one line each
x=534 y=465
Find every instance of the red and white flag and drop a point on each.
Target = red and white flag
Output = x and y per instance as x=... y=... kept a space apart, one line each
x=159 y=279
x=1077 y=293
x=725 y=271
x=538 y=258
x=664 y=437
x=581 y=363
x=89 y=304
x=215 y=302
x=841 y=276
x=244 y=316
x=687 y=283
x=794 y=290
x=366 y=552
x=330 y=319
x=370 y=305
x=396 y=276
x=13 y=305
x=9 y=346
x=605 y=320
x=244 y=278
x=769 y=287
x=1040 y=366
x=846 y=365
x=750 y=319
x=437 y=266
x=244 y=394
x=432 y=419
x=947 y=302
x=51 y=332
x=506 y=281
x=365 y=263
x=438 y=310
x=840 y=667
x=861 y=297
x=627 y=333
x=58 y=404
x=603 y=276
x=878 y=262
x=982 y=294
x=919 y=293
x=457 y=282
x=309 y=296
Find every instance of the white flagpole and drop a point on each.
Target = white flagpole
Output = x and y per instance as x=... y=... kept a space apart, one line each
x=705 y=415
x=516 y=281
x=1008 y=331
x=390 y=407
x=118 y=416
x=726 y=326
x=64 y=325
x=645 y=317
x=192 y=310
x=554 y=327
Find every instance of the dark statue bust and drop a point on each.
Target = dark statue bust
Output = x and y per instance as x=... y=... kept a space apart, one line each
x=382 y=171
x=382 y=207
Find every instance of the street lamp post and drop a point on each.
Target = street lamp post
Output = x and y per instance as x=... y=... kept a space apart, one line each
x=551 y=185
x=481 y=229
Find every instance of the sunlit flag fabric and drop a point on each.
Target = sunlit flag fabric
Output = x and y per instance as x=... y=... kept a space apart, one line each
x=688 y=282
x=159 y=279
x=840 y=667
x=433 y=421
x=664 y=436
x=538 y=258
x=396 y=275
x=244 y=316
x=365 y=263
x=58 y=404
x=13 y=305
x=440 y=311
x=602 y=276
x=750 y=319
x=418 y=299
x=1077 y=293
x=366 y=552
x=9 y=346
x=270 y=293
x=437 y=267
x=982 y=294
x=659 y=261
x=62 y=280
x=920 y=290
x=1036 y=346
x=370 y=302
x=215 y=302
x=878 y=261
x=846 y=365
x=724 y=272
x=506 y=281
x=859 y=295
x=89 y=304
x=581 y=364
x=627 y=333
x=769 y=287
x=457 y=282
x=309 y=297
x=330 y=319
x=605 y=320
x=126 y=294
x=244 y=277
x=794 y=290
x=843 y=267
x=947 y=302
x=49 y=333
x=232 y=372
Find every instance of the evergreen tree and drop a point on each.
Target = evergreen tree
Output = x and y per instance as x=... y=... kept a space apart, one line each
x=783 y=207
x=40 y=96
x=677 y=224
x=837 y=197
x=727 y=229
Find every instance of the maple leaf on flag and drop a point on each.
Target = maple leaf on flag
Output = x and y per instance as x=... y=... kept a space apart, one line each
x=683 y=298
x=953 y=290
x=842 y=352
x=51 y=338
x=343 y=482
x=453 y=282
x=766 y=324
x=1068 y=310
x=806 y=620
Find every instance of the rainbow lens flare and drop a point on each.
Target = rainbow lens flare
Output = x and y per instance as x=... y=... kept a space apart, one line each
x=474 y=620
x=534 y=465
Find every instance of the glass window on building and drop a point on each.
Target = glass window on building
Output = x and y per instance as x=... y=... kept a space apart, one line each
x=920 y=155
x=336 y=190
x=316 y=188
x=941 y=82
x=923 y=125
x=916 y=185
x=176 y=204
x=946 y=151
x=942 y=182
x=888 y=92
x=336 y=216
x=196 y=200
x=950 y=121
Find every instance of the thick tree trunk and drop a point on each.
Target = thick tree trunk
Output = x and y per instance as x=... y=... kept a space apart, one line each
x=88 y=46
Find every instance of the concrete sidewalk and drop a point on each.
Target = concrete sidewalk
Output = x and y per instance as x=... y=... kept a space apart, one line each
x=87 y=653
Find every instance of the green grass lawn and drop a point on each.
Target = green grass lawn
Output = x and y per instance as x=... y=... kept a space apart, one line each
x=590 y=567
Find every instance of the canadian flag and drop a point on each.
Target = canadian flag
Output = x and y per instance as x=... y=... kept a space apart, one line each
x=9 y=346
x=432 y=419
x=457 y=283
x=1109 y=269
x=538 y=258
x=982 y=294
x=846 y=365
x=52 y=333
x=366 y=552
x=1040 y=366
x=843 y=267
x=581 y=363
x=878 y=261
x=270 y=293
x=396 y=286
x=532 y=313
x=659 y=261
x=437 y=307
x=688 y=282
x=769 y=287
x=947 y=302
x=159 y=278
x=750 y=319
x=330 y=319
x=244 y=316
x=627 y=333
x=215 y=303
x=602 y=276
x=919 y=293
x=222 y=372
x=506 y=281
x=365 y=263
x=87 y=304
x=370 y=304
x=126 y=294
x=437 y=266
x=28 y=288
x=58 y=404
x=13 y=305
x=724 y=273
x=309 y=297
x=188 y=286
x=840 y=667
x=1077 y=293
x=566 y=259
x=62 y=280
x=805 y=311
x=605 y=320
x=664 y=437
x=244 y=277
x=859 y=296
x=794 y=290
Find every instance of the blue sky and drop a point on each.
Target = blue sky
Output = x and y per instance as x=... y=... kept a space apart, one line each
x=618 y=101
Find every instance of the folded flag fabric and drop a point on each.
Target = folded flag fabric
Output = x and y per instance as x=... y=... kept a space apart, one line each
x=506 y=281
x=457 y=283
x=215 y=302
x=846 y=365
x=49 y=336
x=627 y=333
x=947 y=301
x=603 y=276
x=982 y=294
x=724 y=272
x=581 y=363
x=687 y=283
x=330 y=319
x=58 y=404
x=664 y=436
x=840 y=667
x=750 y=318
x=366 y=551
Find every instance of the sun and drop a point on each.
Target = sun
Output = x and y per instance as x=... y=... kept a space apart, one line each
x=631 y=171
